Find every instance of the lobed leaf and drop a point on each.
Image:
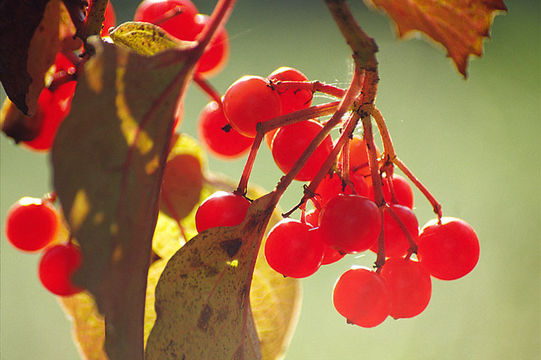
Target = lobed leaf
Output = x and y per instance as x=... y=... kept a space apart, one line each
x=108 y=160
x=460 y=26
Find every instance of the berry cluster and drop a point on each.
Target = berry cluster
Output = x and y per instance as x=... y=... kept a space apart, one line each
x=357 y=205
x=32 y=225
x=227 y=128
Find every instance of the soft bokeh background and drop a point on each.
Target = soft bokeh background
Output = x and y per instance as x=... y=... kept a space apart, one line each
x=474 y=143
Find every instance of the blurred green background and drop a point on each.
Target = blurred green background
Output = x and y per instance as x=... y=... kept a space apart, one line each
x=474 y=143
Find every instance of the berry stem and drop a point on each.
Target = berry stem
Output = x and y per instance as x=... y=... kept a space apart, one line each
x=300 y=115
x=217 y=19
x=380 y=259
x=279 y=121
x=313 y=86
x=413 y=246
x=208 y=88
x=392 y=158
x=94 y=20
x=243 y=183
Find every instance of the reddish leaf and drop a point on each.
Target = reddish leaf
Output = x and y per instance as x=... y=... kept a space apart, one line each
x=108 y=160
x=28 y=47
x=459 y=25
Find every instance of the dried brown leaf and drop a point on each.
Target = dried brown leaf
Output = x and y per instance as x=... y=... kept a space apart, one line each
x=459 y=25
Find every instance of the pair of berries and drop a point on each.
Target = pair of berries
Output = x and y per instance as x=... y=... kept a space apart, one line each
x=32 y=225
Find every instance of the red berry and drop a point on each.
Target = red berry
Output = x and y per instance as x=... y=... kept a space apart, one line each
x=292 y=99
x=332 y=185
x=330 y=255
x=56 y=267
x=358 y=156
x=402 y=190
x=409 y=286
x=216 y=53
x=312 y=218
x=31 y=224
x=110 y=19
x=361 y=296
x=248 y=101
x=221 y=209
x=293 y=249
x=350 y=223
x=177 y=17
x=396 y=241
x=218 y=136
x=290 y=142
x=53 y=107
x=448 y=250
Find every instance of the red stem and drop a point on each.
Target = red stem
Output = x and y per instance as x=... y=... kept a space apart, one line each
x=263 y=128
x=313 y=86
x=392 y=158
x=208 y=89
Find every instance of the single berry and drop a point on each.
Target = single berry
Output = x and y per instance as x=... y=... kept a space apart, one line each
x=248 y=101
x=293 y=249
x=177 y=17
x=109 y=20
x=448 y=250
x=218 y=136
x=332 y=185
x=358 y=156
x=216 y=53
x=31 y=224
x=350 y=223
x=57 y=266
x=290 y=142
x=409 y=286
x=402 y=191
x=395 y=239
x=362 y=297
x=292 y=99
x=221 y=209
x=53 y=107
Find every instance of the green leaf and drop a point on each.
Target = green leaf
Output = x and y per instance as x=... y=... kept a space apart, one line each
x=202 y=298
x=108 y=160
x=146 y=38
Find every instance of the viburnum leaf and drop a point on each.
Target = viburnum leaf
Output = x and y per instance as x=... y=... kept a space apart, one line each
x=459 y=25
x=202 y=298
x=275 y=300
x=108 y=159
x=145 y=38
x=28 y=48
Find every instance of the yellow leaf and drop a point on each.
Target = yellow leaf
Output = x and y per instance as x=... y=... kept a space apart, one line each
x=202 y=298
x=145 y=38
